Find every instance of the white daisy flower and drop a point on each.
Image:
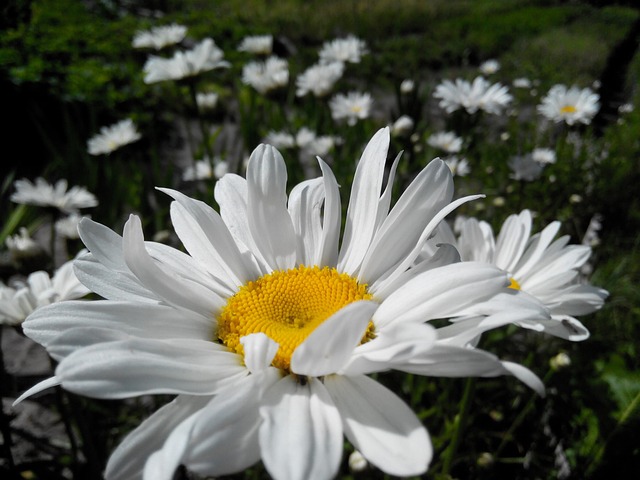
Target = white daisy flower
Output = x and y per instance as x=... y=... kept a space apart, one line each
x=349 y=49
x=446 y=141
x=67 y=227
x=267 y=329
x=402 y=126
x=543 y=155
x=351 y=107
x=18 y=302
x=280 y=140
x=205 y=56
x=459 y=166
x=319 y=79
x=44 y=194
x=522 y=82
x=570 y=105
x=258 y=44
x=207 y=100
x=479 y=95
x=113 y=137
x=266 y=76
x=524 y=167
x=407 y=86
x=539 y=267
x=159 y=37
x=202 y=170
x=489 y=67
x=21 y=245
x=312 y=145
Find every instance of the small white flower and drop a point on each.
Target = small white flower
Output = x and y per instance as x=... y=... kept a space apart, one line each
x=351 y=107
x=446 y=141
x=67 y=227
x=43 y=194
x=207 y=100
x=625 y=108
x=19 y=301
x=524 y=167
x=544 y=155
x=522 y=82
x=479 y=95
x=203 y=57
x=570 y=105
x=489 y=67
x=258 y=44
x=22 y=245
x=312 y=145
x=402 y=126
x=458 y=166
x=349 y=49
x=266 y=76
x=159 y=37
x=113 y=137
x=202 y=170
x=319 y=79
x=280 y=140
x=357 y=463
x=407 y=86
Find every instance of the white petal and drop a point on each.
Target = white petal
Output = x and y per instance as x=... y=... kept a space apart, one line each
x=363 y=205
x=259 y=351
x=526 y=376
x=175 y=290
x=225 y=438
x=141 y=367
x=301 y=431
x=328 y=250
x=441 y=292
x=269 y=220
x=207 y=239
x=103 y=243
x=431 y=191
x=331 y=344
x=37 y=388
x=512 y=240
x=304 y=205
x=111 y=284
x=535 y=250
x=140 y=320
x=390 y=347
x=380 y=425
x=127 y=461
x=231 y=194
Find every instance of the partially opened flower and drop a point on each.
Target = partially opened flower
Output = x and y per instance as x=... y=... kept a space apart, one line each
x=267 y=329
x=537 y=266
x=57 y=196
x=319 y=79
x=570 y=105
x=544 y=156
x=280 y=140
x=351 y=107
x=67 y=227
x=478 y=95
x=349 y=49
x=19 y=301
x=259 y=44
x=489 y=67
x=21 y=245
x=446 y=141
x=266 y=76
x=113 y=137
x=207 y=100
x=205 y=56
x=159 y=37
x=202 y=170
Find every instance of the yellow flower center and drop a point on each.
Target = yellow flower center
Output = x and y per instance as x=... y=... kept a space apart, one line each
x=568 y=109
x=514 y=284
x=287 y=306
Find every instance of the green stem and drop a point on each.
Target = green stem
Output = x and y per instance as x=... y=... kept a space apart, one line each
x=460 y=424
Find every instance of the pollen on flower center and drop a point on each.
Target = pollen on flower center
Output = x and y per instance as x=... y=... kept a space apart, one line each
x=514 y=284
x=287 y=306
x=568 y=109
